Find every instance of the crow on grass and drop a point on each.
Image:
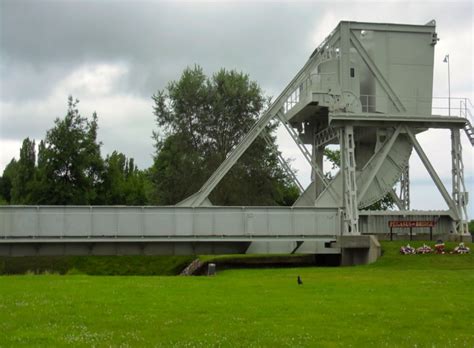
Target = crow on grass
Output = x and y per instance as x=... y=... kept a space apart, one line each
x=300 y=282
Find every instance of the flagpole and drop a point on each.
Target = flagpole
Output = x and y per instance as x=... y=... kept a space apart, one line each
x=446 y=60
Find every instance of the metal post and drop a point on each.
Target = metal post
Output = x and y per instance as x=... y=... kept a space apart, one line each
x=459 y=188
x=317 y=158
x=405 y=188
x=351 y=213
x=439 y=184
x=411 y=234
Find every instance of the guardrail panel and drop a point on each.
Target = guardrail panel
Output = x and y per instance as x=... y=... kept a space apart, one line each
x=228 y=222
x=159 y=221
x=104 y=221
x=130 y=222
x=281 y=222
x=23 y=222
x=77 y=222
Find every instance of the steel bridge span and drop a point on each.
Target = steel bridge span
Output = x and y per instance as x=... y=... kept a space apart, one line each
x=176 y=230
x=29 y=230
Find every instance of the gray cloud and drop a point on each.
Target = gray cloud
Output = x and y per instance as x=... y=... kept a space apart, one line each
x=270 y=41
x=113 y=55
x=158 y=40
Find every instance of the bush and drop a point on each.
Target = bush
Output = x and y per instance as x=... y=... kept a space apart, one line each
x=95 y=265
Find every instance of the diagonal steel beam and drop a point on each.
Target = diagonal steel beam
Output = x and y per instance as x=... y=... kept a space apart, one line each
x=439 y=184
x=199 y=197
x=396 y=199
x=377 y=73
x=307 y=155
x=282 y=161
x=378 y=157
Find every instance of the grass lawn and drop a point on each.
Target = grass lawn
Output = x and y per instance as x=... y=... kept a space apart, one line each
x=413 y=300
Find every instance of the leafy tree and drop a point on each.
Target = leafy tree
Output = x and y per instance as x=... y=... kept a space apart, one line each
x=69 y=162
x=23 y=181
x=203 y=119
x=70 y=169
x=6 y=181
x=122 y=183
x=177 y=171
x=334 y=156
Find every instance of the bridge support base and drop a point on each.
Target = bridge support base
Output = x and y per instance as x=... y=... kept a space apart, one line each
x=359 y=250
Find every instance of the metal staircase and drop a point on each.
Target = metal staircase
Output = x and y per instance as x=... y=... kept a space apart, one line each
x=449 y=106
x=469 y=130
x=465 y=111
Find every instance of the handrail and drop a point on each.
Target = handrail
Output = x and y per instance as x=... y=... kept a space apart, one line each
x=462 y=110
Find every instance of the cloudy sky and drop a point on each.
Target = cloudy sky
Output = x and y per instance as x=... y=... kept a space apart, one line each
x=113 y=55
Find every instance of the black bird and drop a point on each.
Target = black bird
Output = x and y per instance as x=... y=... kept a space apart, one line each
x=300 y=282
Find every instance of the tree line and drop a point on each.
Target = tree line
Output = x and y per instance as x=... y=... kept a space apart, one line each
x=201 y=119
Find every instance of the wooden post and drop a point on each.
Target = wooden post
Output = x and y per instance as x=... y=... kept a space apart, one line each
x=411 y=236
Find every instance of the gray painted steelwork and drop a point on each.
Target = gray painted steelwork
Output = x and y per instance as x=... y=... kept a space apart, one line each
x=165 y=222
x=367 y=87
x=69 y=230
x=75 y=230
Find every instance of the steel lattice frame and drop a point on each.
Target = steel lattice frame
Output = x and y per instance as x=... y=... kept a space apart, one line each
x=351 y=215
x=459 y=189
x=405 y=189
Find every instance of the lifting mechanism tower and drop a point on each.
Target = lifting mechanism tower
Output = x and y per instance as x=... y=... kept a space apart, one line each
x=367 y=88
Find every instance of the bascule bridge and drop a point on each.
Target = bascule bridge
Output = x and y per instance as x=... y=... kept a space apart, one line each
x=366 y=88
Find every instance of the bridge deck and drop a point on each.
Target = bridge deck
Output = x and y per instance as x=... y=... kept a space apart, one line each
x=230 y=223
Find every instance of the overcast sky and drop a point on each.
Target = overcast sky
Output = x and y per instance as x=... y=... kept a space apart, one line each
x=114 y=55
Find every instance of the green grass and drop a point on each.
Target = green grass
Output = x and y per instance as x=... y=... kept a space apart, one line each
x=413 y=300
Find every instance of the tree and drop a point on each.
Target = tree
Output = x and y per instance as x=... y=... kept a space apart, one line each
x=203 y=119
x=23 y=181
x=6 y=181
x=69 y=162
x=122 y=182
x=334 y=156
x=177 y=171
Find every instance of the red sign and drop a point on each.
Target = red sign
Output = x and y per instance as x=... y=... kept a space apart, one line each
x=410 y=223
